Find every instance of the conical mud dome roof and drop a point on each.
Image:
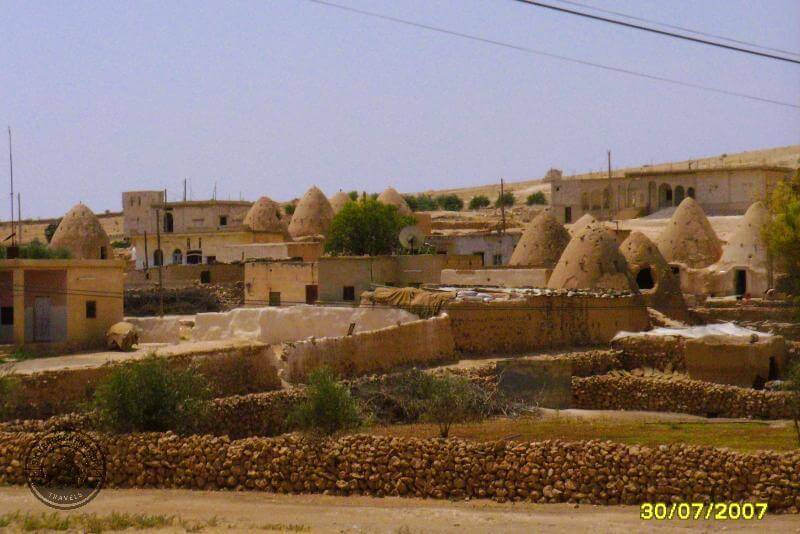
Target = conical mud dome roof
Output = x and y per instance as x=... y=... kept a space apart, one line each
x=688 y=237
x=265 y=215
x=312 y=216
x=592 y=260
x=80 y=232
x=585 y=220
x=542 y=242
x=746 y=246
x=392 y=197
x=338 y=201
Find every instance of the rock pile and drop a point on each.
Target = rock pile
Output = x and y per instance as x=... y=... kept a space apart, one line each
x=590 y=472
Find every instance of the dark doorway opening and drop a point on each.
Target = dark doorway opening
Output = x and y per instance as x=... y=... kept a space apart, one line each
x=740 y=281
x=644 y=278
x=311 y=294
x=567 y=214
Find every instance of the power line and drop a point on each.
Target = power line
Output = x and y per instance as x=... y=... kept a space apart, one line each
x=675 y=27
x=553 y=56
x=657 y=31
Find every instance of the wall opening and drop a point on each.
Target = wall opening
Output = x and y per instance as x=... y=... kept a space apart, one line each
x=168 y=223
x=644 y=278
x=158 y=258
x=568 y=214
x=312 y=293
x=274 y=298
x=348 y=293
x=740 y=279
x=679 y=194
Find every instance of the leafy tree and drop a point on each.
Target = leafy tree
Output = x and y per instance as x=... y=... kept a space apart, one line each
x=506 y=199
x=452 y=399
x=122 y=243
x=536 y=198
x=782 y=233
x=479 y=201
x=329 y=407
x=366 y=227
x=289 y=209
x=353 y=195
x=450 y=202
x=9 y=386
x=150 y=396
x=793 y=387
x=50 y=229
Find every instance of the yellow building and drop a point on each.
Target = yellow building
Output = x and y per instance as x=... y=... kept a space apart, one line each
x=59 y=304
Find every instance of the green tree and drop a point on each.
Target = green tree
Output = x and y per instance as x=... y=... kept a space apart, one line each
x=328 y=408
x=536 y=198
x=479 y=201
x=289 y=209
x=50 y=229
x=452 y=399
x=150 y=396
x=782 y=233
x=450 y=202
x=36 y=250
x=353 y=195
x=366 y=227
x=506 y=199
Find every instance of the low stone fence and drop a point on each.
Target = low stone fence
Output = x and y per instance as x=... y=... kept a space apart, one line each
x=628 y=392
x=665 y=353
x=376 y=351
x=589 y=472
x=230 y=369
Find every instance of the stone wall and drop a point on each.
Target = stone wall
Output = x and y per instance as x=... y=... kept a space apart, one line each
x=230 y=371
x=589 y=472
x=546 y=321
x=376 y=351
x=628 y=392
x=665 y=353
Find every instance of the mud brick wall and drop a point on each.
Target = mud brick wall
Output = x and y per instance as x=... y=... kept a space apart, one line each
x=587 y=472
x=541 y=322
x=612 y=392
x=665 y=353
x=377 y=351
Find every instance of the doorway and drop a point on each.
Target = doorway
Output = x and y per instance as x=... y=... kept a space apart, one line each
x=740 y=279
x=311 y=294
x=41 y=319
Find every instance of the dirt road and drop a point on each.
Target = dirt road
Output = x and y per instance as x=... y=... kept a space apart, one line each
x=320 y=513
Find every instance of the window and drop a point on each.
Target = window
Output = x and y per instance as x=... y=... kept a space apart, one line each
x=497 y=259
x=348 y=293
x=274 y=298
x=177 y=257
x=223 y=220
x=568 y=214
x=168 y=222
x=91 y=309
x=205 y=277
x=188 y=242
x=7 y=315
x=158 y=258
x=211 y=259
x=194 y=257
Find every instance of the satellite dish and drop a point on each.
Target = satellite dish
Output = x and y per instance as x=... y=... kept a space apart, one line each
x=411 y=237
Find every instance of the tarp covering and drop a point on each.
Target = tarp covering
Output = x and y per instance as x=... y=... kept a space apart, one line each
x=695 y=332
x=423 y=303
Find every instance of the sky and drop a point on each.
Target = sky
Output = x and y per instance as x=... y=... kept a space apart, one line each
x=271 y=97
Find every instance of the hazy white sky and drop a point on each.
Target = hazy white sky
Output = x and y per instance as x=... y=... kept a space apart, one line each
x=270 y=97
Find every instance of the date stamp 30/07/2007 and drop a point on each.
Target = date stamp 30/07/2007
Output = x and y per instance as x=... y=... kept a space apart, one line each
x=716 y=511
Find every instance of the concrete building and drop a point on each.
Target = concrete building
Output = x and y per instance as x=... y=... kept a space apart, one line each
x=720 y=190
x=494 y=248
x=55 y=305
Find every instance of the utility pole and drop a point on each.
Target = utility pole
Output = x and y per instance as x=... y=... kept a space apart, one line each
x=502 y=208
x=609 y=180
x=11 y=172
x=160 y=265
x=146 y=255
x=184 y=189
x=19 y=217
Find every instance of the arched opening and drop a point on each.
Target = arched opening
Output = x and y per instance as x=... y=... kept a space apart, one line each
x=690 y=192
x=168 y=222
x=664 y=196
x=194 y=257
x=644 y=278
x=679 y=194
x=177 y=256
x=158 y=258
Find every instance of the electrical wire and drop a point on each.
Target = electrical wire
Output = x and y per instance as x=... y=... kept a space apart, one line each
x=554 y=56
x=664 y=33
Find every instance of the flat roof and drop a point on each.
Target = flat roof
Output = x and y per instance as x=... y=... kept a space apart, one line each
x=25 y=263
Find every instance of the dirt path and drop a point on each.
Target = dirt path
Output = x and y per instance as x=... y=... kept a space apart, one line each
x=320 y=513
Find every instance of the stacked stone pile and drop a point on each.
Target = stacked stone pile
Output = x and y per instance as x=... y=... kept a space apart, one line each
x=659 y=352
x=591 y=472
x=660 y=394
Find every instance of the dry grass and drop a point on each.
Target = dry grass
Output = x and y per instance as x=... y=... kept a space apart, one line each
x=743 y=436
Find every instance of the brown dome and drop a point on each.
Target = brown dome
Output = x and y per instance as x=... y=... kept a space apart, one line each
x=81 y=233
x=653 y=276
x=688 y=237
x=542 y=242
x=392 y=197
x=746 y=246
x=312 y=216
x=578 y=226
x=338 y=201
x=592 y=260
x=265 y=215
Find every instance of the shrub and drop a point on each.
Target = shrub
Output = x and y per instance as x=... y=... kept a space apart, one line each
x=8 y=391
x=450 y=202
x=36 y=250
x=793 y=387
x=50 y=230
x=452 y=399
x=121 y=243
x=506 y=199
x=149 y=396
x=479 y=201
x=289 y=209
x=328 y=408
x=353 y=195
x=536 y=198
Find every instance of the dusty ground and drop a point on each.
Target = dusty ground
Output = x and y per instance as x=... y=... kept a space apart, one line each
x=320 y=513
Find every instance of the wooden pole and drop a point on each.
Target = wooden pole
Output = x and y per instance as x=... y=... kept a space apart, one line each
x=19 y=217
x=160 y=266
x=146 y=255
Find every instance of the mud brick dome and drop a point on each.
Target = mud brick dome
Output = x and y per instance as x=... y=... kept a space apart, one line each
x=80 y=232
x=392 y=197
x=688 y=237
x=265 y=216
x=338 y=201
x=312 y=216
x=746 y=246
x=541 y=244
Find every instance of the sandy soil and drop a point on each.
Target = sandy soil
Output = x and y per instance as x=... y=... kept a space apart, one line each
x=246 y=511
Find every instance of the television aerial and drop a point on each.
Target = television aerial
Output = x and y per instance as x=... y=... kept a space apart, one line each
x=411 y=238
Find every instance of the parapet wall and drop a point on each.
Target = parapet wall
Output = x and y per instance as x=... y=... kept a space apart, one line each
x=274 y=325
x=546 y=321
x=418 y=342
x=587 y=472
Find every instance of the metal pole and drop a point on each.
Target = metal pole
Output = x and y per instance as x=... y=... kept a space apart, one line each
x=11 y=171
x=160 y=266
x=19 y=217
x=502 y=207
